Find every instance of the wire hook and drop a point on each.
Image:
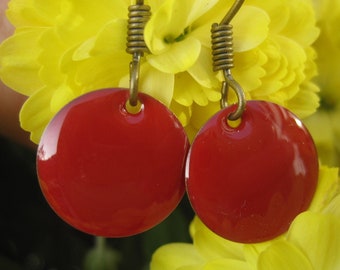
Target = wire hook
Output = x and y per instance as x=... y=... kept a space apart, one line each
x=230 y=81
x=139 y=14
x=222 y=47
x=232 y=12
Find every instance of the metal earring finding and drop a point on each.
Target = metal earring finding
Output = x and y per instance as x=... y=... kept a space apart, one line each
x=139 y=15
x=222 y=50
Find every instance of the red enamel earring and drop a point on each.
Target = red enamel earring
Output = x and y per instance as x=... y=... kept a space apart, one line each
x=253 y=167
x=111 y=162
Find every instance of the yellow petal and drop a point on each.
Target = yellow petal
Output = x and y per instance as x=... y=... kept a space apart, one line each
x=184 y=86
x=179 y=57
x=19 y=62
x=166 y=24
x=172 y=21
x=334 y=116
x=191 y=132
x=212 y=94
x=157 y=84
x=296 y=58
x=328 y=49
x=154 y=83
x=248 y=69
x=282 y=255
x=327 y=189
x=306 y=101
x=278 y=11
x=249 y=35
x=187 y=91
x=61 y=96
x=321 y=127
x=201 y=114
x=40 y=108
x=333 y=207
x=202 y=33
x=212 y=246
x=190 y=267
x=175 y=256
x=318 y=236
x=23 y=13
x=199 y=8
x=35 y=115
x=276 y=68
x=290 y=73
x=84 y=50
x=202 y=70
x=50 y=72
x=183 y=113
x=311 y=68
x=252 y=252
x=111 y=38
x=223 y=264
x=81 y=19
x=102 y=71
x=301 y=25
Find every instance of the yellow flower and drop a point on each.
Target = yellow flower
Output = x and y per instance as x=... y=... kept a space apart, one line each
x=324 y=125
x=62 y=49
x=273 y=57
x=37 y=60
x=312 y=242
x=328 y=49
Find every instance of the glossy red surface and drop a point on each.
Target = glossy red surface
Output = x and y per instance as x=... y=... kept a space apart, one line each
x=109 y=172
x=248 y=183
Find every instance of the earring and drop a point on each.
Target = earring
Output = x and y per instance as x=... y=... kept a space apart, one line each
x=111 y=162
x=253 y=167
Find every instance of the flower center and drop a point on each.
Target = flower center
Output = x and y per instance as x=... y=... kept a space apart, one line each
x=171 y=39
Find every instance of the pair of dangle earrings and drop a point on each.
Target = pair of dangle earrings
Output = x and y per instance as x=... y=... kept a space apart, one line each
x=116 y=162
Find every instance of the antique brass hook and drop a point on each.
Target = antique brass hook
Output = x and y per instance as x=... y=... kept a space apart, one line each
x=139 y=15
x=222 y=47
x=232 y=12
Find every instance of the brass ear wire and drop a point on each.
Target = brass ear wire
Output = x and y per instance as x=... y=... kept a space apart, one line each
x=139 y=15
x=222 y=50
x=232 y=12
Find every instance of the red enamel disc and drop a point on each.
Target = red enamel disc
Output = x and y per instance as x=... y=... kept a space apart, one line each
x=109 y=172
x=248 y=183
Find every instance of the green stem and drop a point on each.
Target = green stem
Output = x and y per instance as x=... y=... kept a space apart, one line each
x=100 y=242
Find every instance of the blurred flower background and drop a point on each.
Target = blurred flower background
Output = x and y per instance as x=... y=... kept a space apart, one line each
x=285 y=51
x=325 y=125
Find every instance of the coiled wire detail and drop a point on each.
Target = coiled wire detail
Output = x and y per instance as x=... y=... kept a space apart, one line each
x=139 y=15
x=223 y=59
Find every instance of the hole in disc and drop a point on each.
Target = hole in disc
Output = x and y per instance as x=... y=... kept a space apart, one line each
x=233 y=123
x=133 y=109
